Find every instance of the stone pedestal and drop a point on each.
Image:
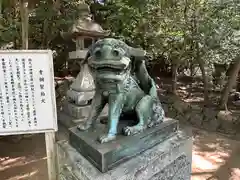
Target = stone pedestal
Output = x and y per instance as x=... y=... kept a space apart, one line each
x=77 y=106
x=171 y=159
x=80 y=94
x=108 y=155
x=76 y=114
x=76 y=111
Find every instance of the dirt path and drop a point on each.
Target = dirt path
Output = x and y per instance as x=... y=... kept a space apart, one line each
x=25 y=160
x=214 y=158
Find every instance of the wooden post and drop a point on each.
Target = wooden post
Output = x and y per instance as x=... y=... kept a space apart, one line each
x=24 y=21
x=51 y=151
x=1 y=9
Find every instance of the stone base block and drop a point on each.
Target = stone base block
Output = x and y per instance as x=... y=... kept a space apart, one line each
x=68 y=121
x=78 y=112
x=170 y=159
x=80 y=98
x=108 y=155
x=72 y=115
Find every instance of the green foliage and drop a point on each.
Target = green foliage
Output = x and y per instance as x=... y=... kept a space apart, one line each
x=173 y=28
x=45 y=21
x=180 y=31
x=9 y=23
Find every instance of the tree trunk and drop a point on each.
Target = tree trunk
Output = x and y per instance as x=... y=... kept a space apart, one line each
x=205 y=81
x=231 y=80
x=174 y=78
x=204 y=76
x=45 y=34
x=191 y=69
x=1 y=9
x=24 y=22
x=197 y=55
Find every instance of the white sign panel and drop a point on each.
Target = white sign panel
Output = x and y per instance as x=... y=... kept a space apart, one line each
x=27 y=92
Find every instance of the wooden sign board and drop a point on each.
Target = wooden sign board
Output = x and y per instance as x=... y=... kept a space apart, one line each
x=27 y=92
x=27 y=98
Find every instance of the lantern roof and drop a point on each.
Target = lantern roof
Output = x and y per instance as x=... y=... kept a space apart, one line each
x=85 y=26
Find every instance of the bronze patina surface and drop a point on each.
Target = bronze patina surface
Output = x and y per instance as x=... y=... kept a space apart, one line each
x=121 y=81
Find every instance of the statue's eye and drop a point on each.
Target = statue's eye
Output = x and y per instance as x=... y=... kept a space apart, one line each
x=98 y=53
x=115 y=52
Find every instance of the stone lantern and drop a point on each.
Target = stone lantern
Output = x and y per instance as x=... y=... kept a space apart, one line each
x=84 y=33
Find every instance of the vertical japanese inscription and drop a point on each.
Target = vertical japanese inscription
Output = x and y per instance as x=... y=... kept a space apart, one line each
x=3 y=123
x=19 y=88
x=42 y=87
x=11 y=105
x=5 y=91
x=32 y=92
x=17 y=93
x=2 y=119
x=26 y=96
x=24 y=90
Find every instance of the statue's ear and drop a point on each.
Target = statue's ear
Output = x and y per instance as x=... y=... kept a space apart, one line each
x=136 y=52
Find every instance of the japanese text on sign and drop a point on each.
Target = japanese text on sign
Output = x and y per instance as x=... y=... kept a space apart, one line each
x=27 y=98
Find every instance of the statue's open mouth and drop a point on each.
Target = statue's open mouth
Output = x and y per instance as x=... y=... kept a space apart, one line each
x=116 y=70
x=113 y=67
x=107 y=69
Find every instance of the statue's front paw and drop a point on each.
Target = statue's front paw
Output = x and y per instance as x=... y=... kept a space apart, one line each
x=83 y=127
x=127 y=131
x=106 y=138
x=150 y=124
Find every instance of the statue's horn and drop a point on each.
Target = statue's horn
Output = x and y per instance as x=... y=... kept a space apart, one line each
x=137 y=52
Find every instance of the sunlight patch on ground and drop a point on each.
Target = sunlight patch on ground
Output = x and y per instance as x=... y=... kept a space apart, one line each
x=215 y=157
x=206 y=163
x=235 y=174
x=10 y=162
x=16 y=162
x=200 y=163
x=25 y=176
